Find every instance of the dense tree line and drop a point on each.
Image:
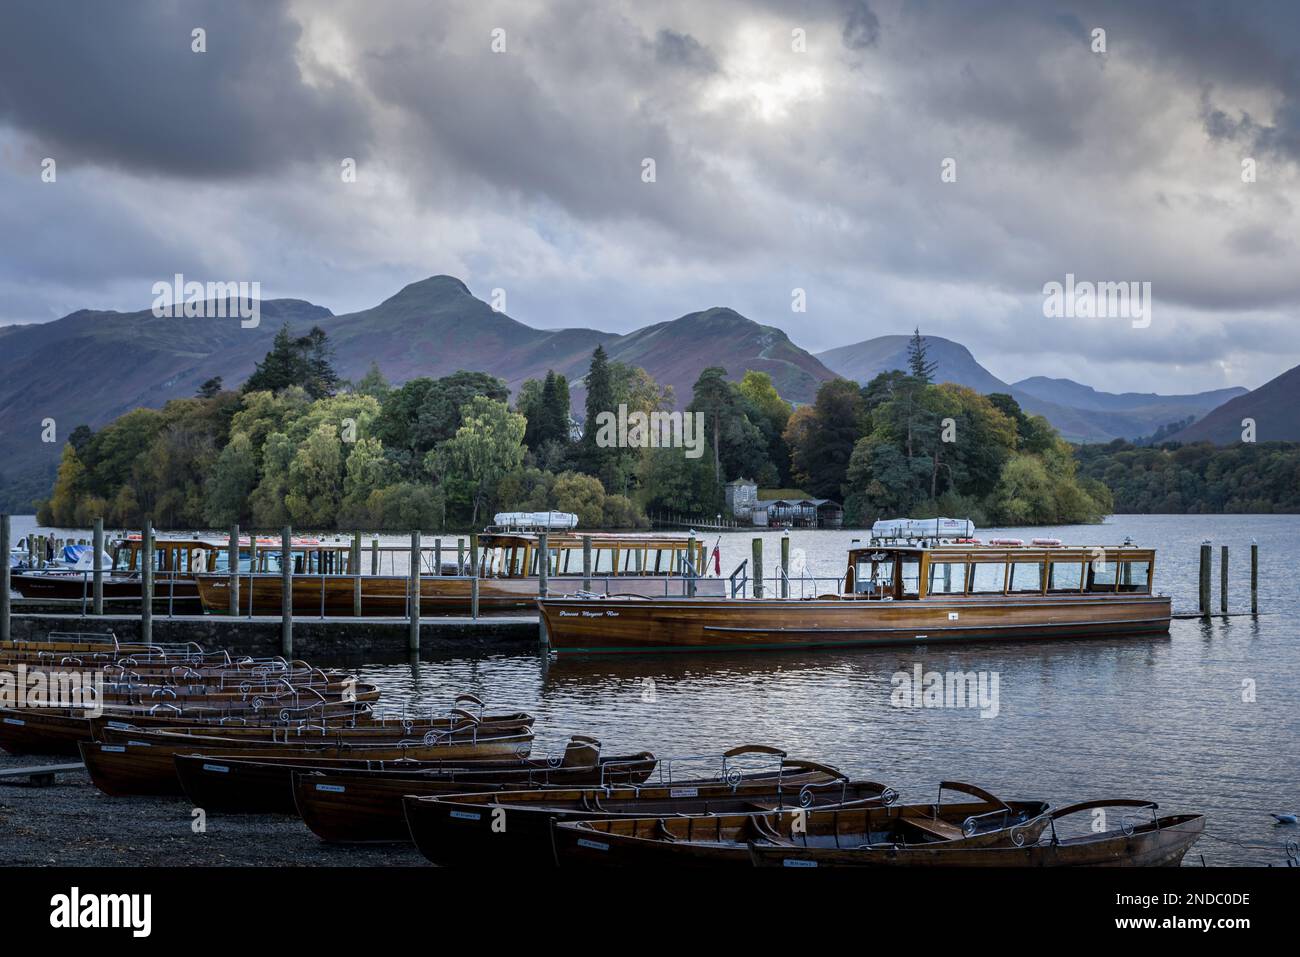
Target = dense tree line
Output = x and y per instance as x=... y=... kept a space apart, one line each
x=296 y=445
x=1181 y=479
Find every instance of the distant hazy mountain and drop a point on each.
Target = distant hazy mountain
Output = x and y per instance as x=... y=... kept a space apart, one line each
x=1079 y=412
x=1275 y=407
x=1069 y=392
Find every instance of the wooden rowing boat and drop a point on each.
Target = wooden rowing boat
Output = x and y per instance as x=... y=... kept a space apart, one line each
x=141 y=762
x=235 y=784
x=723 y=840
x=514 y=827
x=1160 y=842
x=893 y=593
x=367 y=807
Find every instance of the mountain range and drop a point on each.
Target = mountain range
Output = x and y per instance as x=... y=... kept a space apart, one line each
x=91 y=366
x=1079 y=412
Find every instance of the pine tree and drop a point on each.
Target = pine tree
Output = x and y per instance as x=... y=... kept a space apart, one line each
x=600 y=398
x=555 y=408
x=917 y=362
x=279 y=368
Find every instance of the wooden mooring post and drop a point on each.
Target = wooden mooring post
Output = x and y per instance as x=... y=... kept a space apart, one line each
x=586 y=563
x=286 y=592
x=691 y=570
x=1254 y=578
x=1205 y=580
x=758 y=567
x=1223 y=579
x=146 y=583
x=232 y=562
x=354 y=559
x=5 y=532
x=413 y=590
x=473 y=582
x=97 y=595
x=785 y=564
x=543 y=567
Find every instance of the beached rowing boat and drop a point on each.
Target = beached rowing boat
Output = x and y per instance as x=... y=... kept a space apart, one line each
x=141 y=762
x=235 y=784
x=369 y=807
x=514 y=827
x=1159 y=842
x=722 y=840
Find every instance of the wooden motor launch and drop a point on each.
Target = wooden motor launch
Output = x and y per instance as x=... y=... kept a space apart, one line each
x=723 y=840
x=514 y=827
x=369 y=807
x=233 y=784
x=1158 y=842
x=897 y=589
x=176 y=561
x=325 y=578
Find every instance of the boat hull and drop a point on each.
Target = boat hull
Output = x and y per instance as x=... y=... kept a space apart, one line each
x=42 y=731
x=368 y=808
x=613 y=626
x=183 y=594
x=1147 y=846
x=514 y=829
x=144 y=764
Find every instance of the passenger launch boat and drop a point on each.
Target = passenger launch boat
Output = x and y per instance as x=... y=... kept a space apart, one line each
x=911 y=583
x=326 y=579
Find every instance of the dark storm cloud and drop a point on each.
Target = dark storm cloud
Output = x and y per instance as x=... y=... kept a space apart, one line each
x=775 y=167
x=682 y=49
x=861 y=26
x=118 y=83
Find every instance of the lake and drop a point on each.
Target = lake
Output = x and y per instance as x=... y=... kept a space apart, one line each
x=1172 y=719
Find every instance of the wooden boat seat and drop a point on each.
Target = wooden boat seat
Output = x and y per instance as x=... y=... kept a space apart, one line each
x=931 y=826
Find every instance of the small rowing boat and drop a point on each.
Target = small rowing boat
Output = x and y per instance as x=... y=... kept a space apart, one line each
x=133 y=761
x=1160 y=842
x=235 y=784
x=514 y=827
x=723 y=840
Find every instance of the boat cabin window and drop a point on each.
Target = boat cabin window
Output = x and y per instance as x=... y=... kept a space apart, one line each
x=1026 y=577
x=874 y=575
x=1065 y=576
x=988 y=578
x=911 y=575
x=602 y=561
x=1135 y=576
x=1102 y=575
x=947 y=578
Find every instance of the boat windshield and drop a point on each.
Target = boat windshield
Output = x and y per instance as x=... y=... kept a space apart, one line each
x=873 y=574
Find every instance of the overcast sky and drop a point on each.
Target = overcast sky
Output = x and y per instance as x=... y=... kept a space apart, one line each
x=776 y=168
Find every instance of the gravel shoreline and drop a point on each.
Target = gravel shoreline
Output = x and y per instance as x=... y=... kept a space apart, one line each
x=73 y=824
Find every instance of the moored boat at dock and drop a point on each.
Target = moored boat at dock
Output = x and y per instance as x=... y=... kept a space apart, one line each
x=895 y=590
x=325 y=581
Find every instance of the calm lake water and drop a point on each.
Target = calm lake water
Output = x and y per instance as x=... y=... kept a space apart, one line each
x=1164 y=719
